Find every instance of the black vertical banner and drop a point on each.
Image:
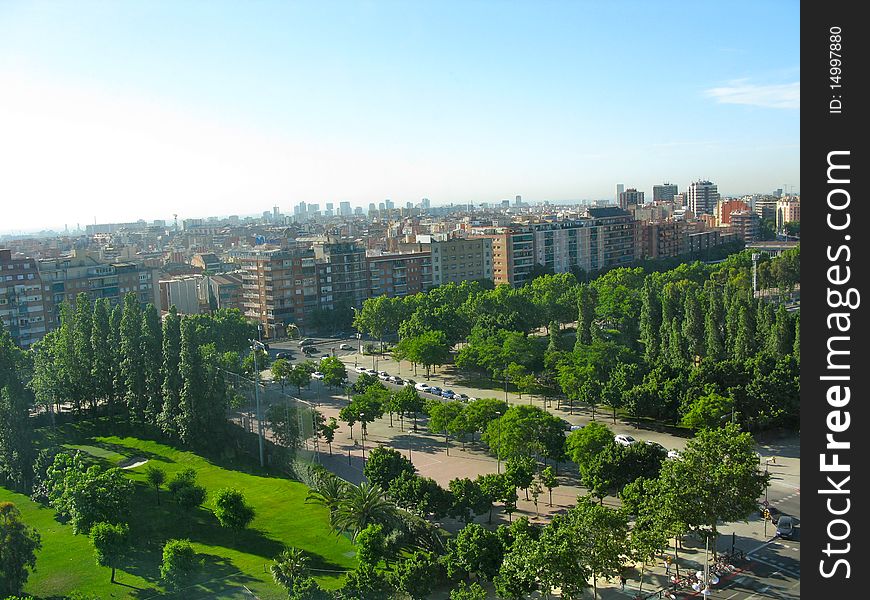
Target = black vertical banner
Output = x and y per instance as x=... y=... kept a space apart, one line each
x=835 y=349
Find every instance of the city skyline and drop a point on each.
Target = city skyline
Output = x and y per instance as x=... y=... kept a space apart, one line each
x=124 y=111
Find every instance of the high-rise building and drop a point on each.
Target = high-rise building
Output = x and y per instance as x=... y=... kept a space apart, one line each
x=619 y=189
x=702 y=197
x=343 y=272
x=630 y=197
x=372 y=209
x=788 y=210
x=425 y=204
x=388 y=204
x=328 y=209
x=459 y=260
x=22 y=306
x=724 y=208
x=344 y=209
x=664 y=192
x=746 y=225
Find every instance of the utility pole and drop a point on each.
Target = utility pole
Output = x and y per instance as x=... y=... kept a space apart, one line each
x=256 y=345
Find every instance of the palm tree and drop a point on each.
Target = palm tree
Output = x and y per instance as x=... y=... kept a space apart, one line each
x=289 y=567
x=329 y=492
x=363 y=505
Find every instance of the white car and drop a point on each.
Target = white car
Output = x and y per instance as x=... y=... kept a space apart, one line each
x=317 y=375
x=383 y=376
x=345 y=347
x=361 y=370
x=624 y=440
x=421 y=387
x=673 y=454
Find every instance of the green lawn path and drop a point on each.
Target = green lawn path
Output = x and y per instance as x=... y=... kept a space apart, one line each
x=231 y=559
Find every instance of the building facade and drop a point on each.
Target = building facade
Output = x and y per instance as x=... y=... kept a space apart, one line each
x=664 y=192
x=630 y=197
x=788 y=210
x=702 y=197
x=22 y=306
x=399 y=275
x=457 y=260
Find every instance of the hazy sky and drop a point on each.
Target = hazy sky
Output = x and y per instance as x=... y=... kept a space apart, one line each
x=126 y=110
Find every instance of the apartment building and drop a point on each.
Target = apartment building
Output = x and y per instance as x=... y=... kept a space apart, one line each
x=661 y=239
x=461 y=259
x=22 y=306
x=746 y=224
x=345 y=274
x=398 y=275
x=788 y=210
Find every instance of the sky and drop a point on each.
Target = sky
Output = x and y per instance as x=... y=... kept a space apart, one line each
x=119 y=111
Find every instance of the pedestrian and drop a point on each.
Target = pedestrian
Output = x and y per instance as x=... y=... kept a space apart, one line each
x=622 y=581
x=668 y=565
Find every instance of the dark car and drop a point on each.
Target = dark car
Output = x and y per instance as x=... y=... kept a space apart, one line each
x=435 y=390
x=284 y=355
x=309 y=350
x=785 y=527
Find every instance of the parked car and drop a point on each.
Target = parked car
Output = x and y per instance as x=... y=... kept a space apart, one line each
x=345 y=347
x=309 y=350
x=462 y=397
x=656 y=445
x=384 y=376
x=421 y=387
x=317 y=375
x=306 y=342
x=624 y=440
x=397 y=380
x=361 y=369
x=284 y=355
x=449 y=394
x=435 y=390
x=785 y=527
x=575 y=427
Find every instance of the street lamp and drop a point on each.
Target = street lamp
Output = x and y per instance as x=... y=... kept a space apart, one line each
x=363 y=436
x=257 y=345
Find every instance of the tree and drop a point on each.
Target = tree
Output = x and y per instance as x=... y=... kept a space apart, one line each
x=468 y=499
x=152 y=358
x=103 y=354
x=549 y=481
x=717 y=479
x=384 y=465
x=281 y=370
x=585 y=443
x=330 y=492
x=714 y=334
x=650 y=321
x=407 y=400
x=111 y=543
x=520 y=471
x=429 y=349
x=526 y=430
x=171 y=414
x=468 y=592
x=334 y=371
x=18 y=546
x=290 y=567
x=155 y=476
x=299 y=376
x=83 y=385
x=185 y=490
x=179 y=563
x=86 y=495
x=708 y=410
x=693 y=327
x=361 y=506
x=193 y=398
x=420 y=495
x=473 y=551
x=132 y=361
x=16 y=445
x=481 y=412
x=231 y=509
x=416 y=575
x=604 y=532
x=586 y=301
x=441 y=417
x=328 y=432
x=497 y=487
x=371 y=544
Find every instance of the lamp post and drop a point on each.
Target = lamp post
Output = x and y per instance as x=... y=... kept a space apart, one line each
x=767 y=462
x=257 y=345
x=363 y=436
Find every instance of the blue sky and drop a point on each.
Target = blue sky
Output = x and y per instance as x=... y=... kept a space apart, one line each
x=123 y=110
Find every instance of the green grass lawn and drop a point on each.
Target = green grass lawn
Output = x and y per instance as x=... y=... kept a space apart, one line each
x=231 y=560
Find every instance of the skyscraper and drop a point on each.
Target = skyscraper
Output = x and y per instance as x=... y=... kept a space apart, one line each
x=630 y=197
x=344 y=209
x=664 y=192
x=702 y=197
x=619 y=189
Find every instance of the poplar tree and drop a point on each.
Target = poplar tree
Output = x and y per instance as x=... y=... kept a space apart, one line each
x=151 y=363
x=796 y=349
x=782 y=338
x=82 y=366
x=713 y=322
x=650 y=321
x=117 y=376
x=193 y=385
x=103 y=364
x=585 y=314
x=693 y=327
x=132 y=363
x=168 y=419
